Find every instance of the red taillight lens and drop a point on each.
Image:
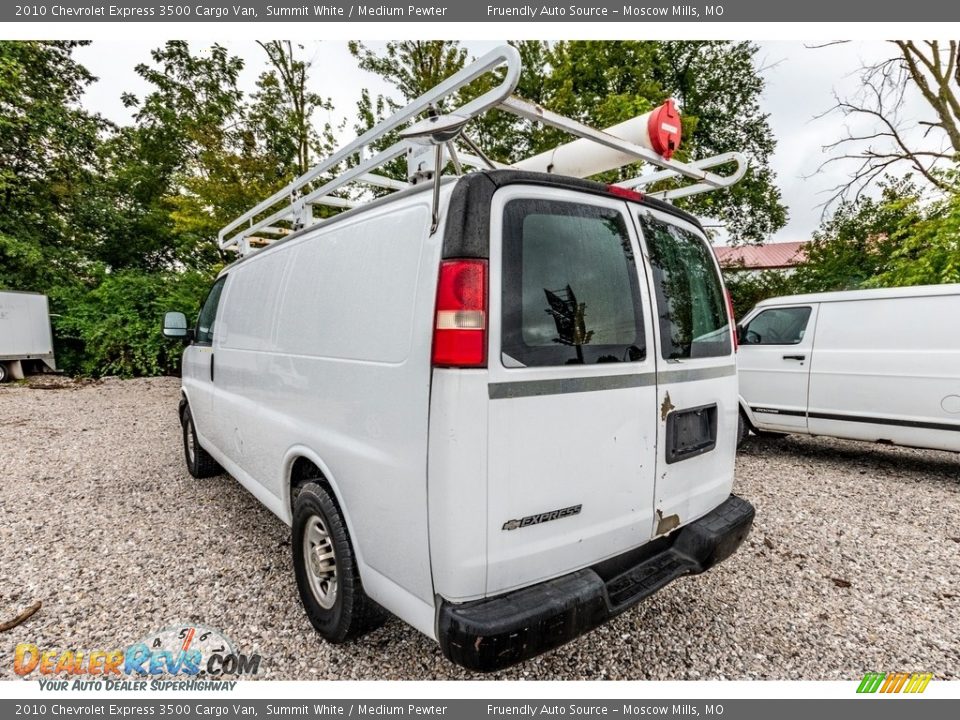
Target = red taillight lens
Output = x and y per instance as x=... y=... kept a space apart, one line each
x=733 y=321
x=460 y=329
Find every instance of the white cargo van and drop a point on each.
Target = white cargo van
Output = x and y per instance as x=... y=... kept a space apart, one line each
x=878 y=365
x=501 y=405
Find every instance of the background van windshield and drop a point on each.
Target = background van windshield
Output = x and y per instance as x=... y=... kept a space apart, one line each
x=692 y=308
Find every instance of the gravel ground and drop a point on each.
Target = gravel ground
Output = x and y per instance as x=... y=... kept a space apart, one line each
x=852 y=565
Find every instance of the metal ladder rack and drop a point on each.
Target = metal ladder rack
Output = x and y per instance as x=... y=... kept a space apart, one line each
x=434 y=138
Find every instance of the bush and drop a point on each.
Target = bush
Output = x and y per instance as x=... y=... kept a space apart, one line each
x=115 y=328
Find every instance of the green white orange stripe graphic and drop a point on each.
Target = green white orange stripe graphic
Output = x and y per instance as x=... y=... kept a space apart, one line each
x=900 y=682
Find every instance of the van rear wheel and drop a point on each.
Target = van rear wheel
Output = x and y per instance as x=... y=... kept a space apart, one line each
x=200 y=464
x=326 y=569
x=4 y=373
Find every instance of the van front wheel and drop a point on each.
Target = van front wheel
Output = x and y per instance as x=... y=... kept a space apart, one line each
x=200 y=463
x=326 y=569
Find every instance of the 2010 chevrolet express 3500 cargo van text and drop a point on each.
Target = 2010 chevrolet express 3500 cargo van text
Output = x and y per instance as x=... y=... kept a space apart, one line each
x=501 y=405
x=879 y=365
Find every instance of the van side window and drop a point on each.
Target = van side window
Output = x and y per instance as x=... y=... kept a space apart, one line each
x=570 y=290
x=208 y=313
x=777 y=326
x=692 y=308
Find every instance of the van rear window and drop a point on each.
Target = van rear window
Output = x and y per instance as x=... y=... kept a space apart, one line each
x=570 y=289
x=692 y=309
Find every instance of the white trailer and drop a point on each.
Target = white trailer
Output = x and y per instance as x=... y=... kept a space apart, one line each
x=26 y=341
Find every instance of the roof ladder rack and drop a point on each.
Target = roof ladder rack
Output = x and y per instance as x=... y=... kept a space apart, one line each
x=430 y=143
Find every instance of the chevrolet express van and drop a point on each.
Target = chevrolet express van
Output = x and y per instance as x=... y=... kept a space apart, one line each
x=877 y=365
x=500 y=405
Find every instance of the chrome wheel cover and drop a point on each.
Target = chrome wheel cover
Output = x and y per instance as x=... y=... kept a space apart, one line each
x=320 y=561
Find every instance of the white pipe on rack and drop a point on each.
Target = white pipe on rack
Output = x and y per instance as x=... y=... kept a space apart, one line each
x=583 y=158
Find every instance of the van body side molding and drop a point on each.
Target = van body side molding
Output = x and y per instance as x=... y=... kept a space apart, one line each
x=841 y=417
x=954 y=427
x=562 y=386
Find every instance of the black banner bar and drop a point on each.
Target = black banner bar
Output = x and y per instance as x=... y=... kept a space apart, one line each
x=184 y=708
x=617 y=11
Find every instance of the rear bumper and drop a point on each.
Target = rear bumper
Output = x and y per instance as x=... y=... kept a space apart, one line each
x=497 y=632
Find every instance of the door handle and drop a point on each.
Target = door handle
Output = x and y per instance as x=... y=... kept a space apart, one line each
x=794 y=357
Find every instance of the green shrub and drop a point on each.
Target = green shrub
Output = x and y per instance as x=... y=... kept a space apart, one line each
x=115 y=328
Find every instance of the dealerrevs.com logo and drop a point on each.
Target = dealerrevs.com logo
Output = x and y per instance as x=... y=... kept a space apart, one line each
x=197 y=657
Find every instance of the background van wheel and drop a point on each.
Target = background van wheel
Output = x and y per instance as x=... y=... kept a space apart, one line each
x=326 y=569
x=199 y=462
x=743 y=428
x=4 y=373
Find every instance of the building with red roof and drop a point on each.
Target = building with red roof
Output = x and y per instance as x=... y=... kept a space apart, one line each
x=758 y=258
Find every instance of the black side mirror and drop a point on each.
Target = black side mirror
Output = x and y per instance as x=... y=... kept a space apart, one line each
x=175 y=326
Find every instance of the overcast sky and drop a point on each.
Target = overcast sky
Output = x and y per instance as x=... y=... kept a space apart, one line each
x=800 y=83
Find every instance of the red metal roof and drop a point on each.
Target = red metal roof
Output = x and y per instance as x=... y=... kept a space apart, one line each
x=772 y=256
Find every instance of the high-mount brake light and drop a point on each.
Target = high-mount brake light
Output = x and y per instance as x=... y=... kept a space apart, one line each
x=460 y=329
x=625 y=193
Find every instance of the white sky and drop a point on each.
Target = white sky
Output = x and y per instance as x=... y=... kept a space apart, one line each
x=800 y=85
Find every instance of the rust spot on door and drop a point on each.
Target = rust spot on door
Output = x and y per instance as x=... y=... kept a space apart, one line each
x=666 y=407
x=666 y=524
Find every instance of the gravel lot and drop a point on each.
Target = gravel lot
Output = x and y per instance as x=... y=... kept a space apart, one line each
x=852 y=565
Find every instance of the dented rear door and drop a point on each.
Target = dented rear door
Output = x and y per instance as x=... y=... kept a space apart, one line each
x=696 y=371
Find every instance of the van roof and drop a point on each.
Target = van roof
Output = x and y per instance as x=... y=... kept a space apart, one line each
x=467 y=230
x=872 y=294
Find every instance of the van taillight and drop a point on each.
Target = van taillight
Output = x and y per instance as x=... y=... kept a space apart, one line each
x=460 y=331
x=733 y=321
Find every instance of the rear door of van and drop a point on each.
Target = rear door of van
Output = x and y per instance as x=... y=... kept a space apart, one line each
x=697 y=399
x=572 y=396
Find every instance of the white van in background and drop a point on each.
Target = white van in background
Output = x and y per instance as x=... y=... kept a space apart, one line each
x=501 y=405
x=878 y=365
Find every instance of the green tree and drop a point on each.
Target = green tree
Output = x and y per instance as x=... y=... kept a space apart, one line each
x=48 y=160
x=853 y=246
x=719 y=89
x=926 y=243
x=747 y=289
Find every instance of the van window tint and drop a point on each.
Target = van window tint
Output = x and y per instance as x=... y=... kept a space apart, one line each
x=570 y=289
x=208 y=313
x=777 y=326
x=692 y=308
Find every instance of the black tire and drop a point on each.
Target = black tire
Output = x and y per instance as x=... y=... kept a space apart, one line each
x=743 y=428
x=199 y=462
x=346 y=612
x=4 y=373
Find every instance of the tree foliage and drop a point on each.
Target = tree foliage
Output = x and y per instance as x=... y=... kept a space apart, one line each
x=899 y=238
x=602 y=83
x=117 y=225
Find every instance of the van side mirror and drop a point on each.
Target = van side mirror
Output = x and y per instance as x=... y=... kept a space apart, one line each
x=175 y=326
